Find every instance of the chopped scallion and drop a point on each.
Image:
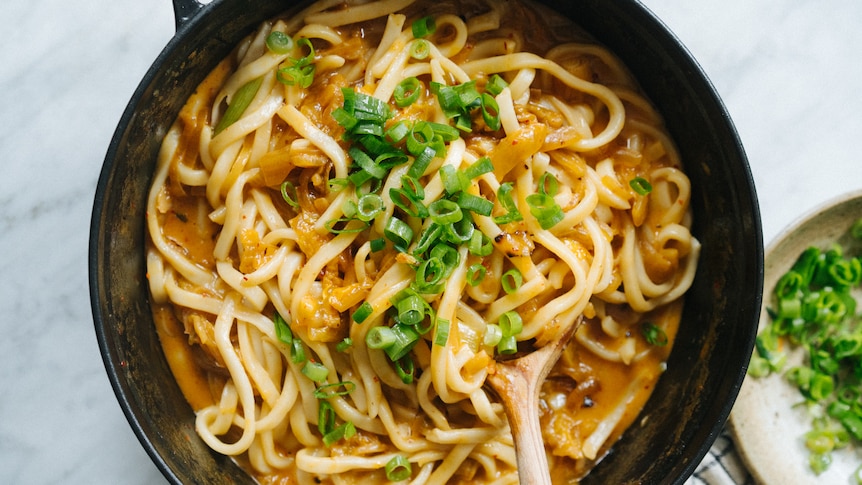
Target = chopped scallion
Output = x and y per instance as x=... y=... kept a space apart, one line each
x=398 y=469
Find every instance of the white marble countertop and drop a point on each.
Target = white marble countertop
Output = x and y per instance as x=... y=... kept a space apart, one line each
x=788 y=71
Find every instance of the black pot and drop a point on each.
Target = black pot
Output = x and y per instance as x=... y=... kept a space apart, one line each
x=708 y=363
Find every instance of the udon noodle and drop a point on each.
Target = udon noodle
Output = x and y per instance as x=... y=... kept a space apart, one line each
x=366 y=205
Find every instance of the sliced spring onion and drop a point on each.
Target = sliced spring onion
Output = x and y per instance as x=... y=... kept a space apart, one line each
x=429 y=275
x=653 y=334
x=475 y=274
x=496 y=85
x=511 y=323
x=345 y=225
x=443 y=211
x=342 y=388
x=315 y=371
x=481 y=166
x=377 y=245
x=238 y=104
x=441 y=332
x=413 y=187
x=345 y=344
x=379 y=337
x=813 y=307
x=338 y=184
x=288 y=193
x=398 y=469
x=421 y=162
x=490 y=112
x=344 y=431
x=297 y=351
x=420 y=49
x=640 y=185
x=427 y=238
x=548 y=184
x=454 y=180
x=325 y=417
x=368 y=207
x=366 y=163
x=545 y=209
x=480 y=245
x=507 y=345
x=406 y=369
x=296 y=75
x=407 y=202
x=398 y=232
x=475 y=203
x=282 y=329
x=361 y=313
x=423 y=27
x=407 y=92
x=493 y=335
x=511 y=281
x=411 y=310
x=279 y=42
x=406 y=337
x=504 y=196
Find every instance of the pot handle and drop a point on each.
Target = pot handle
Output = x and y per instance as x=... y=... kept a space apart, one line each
x=185 y=10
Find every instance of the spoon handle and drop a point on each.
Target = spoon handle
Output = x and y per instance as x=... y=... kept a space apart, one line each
x=521 y=401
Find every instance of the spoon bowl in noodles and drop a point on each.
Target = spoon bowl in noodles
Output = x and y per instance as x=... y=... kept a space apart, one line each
x=140 y=251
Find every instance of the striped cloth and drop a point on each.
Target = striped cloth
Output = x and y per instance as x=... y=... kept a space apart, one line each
x=721 y=466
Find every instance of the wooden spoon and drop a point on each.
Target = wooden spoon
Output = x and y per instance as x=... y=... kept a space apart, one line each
x=517 y=382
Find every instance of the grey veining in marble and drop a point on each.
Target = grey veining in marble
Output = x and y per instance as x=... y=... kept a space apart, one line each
x=788 y=71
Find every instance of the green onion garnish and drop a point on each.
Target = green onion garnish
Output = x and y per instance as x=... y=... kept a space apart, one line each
x=378 y=244
x=398 y=469
x=511 y=280
x=545 y=209
x=420 y=49
x=279 y=42
x=406 y=337
x=653 y=334
x=315 y=371
x=480 y=245
x=379 y=337
x=334 y=389
x=504 y=196
x=475 y=274
x=640 y=185
x=475 y=203
x=368 y=207
x=443 y=211
x=345 y=344
x=411 y=310
x=297 y=351
x=238 y=104
x=282 y=329
x=345 y=431
x=361 y=313
x=490 y=112
x=507 y=345
x=496 y=85
x=492 y=336
x=406 y=369
x=408 y=202
x=441 y=332
x=398 y=232
x=423 y=27
x=481 y=166
x=548 y=184
x=511 y=323
x=407 y=92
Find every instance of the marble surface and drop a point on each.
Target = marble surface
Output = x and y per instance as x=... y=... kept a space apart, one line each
x=788 y=71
